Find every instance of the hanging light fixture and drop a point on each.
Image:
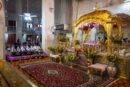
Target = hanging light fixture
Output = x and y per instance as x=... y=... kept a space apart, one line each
x=27 y=17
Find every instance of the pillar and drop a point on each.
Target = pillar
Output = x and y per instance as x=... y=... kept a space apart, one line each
x=63 y=12
x=2 y=30
x=19 y=20
x=108 y=29
x=47 y=23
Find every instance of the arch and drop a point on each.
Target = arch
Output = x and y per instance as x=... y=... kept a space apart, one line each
x=104 y=18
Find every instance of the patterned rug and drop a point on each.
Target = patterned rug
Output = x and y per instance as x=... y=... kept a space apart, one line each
x=50 y=74
x=120 y=83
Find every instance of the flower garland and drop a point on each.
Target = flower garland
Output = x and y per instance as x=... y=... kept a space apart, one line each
x=87 y=28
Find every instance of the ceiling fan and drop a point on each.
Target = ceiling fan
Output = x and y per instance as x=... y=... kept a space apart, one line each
x=27 y=16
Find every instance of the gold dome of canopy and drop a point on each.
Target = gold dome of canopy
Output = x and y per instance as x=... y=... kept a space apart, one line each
x=98 y=13
x=100 y=16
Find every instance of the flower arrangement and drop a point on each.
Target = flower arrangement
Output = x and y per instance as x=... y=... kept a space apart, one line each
x=85 y=27
x=112 y=69
x=102 y=42
x=117 y=39
x=60 y=49
x=62 y=39
x=77 y=42
x=112 y=57
x=91 y=54
x=71 y=57
x=56 y=49
x=53 y=49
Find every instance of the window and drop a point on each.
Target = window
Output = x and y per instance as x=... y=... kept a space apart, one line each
x=12 y=23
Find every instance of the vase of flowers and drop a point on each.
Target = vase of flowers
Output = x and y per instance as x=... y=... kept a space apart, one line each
x=53 y=49
x=111 y=69
x=91 y=55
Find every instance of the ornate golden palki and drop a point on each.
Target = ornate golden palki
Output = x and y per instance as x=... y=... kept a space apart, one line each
x=104 y=18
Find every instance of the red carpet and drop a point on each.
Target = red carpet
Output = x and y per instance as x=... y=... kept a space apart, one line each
x=120 y=83
x=55 y=75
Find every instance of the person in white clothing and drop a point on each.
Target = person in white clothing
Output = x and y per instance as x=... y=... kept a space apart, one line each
x=34 y=47
x=27 y=48
x=22 y=48
x=18 y=49
x=13 y=49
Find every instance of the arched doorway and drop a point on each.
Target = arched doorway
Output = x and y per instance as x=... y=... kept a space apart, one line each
x=102 y=17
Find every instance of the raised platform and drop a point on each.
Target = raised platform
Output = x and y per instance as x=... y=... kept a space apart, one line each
x=24 y=57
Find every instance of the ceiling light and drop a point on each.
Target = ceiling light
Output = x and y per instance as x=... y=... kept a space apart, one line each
x=27 y=17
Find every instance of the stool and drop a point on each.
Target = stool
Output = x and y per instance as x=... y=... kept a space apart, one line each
x=55 y=57
x=98 y=66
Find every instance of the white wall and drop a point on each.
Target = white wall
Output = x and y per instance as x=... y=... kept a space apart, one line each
x=63 y=12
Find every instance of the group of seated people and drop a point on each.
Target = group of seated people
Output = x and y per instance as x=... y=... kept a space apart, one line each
x=24 y=49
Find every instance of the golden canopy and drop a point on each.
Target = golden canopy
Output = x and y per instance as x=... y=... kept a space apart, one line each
x=104 y=18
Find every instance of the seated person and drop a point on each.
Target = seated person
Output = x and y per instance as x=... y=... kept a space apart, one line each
x=41 y=50
x=28 y=49
x=18 y=49
x=8 y=48
x=22 y=48
x=34 y=47
x=13 y=49
x=31 y=49
x=38 y=48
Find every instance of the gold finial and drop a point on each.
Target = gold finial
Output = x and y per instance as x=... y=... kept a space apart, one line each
x=97 y=6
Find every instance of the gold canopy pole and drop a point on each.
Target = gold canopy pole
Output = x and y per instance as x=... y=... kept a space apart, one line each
x=108 y=29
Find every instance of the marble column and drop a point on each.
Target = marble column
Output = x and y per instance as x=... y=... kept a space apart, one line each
x=47 y=23
x=19 y=20
x=2 y=30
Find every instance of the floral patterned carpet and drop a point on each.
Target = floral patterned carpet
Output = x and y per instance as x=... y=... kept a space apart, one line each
x=51 y=74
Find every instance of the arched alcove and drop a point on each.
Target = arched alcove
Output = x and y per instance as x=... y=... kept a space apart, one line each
x=102 y=17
